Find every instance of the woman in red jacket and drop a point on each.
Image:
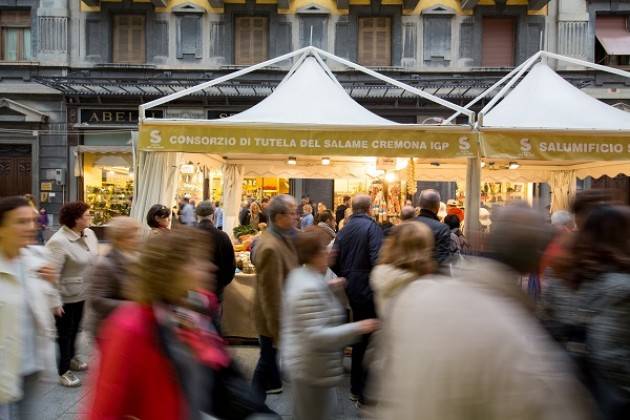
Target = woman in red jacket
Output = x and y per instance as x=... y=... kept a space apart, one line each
x=161 y=357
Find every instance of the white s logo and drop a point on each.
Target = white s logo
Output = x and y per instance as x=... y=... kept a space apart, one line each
x=155 y=137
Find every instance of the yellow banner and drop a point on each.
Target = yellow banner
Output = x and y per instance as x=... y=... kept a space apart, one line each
x=555 y=146
x=395 y=141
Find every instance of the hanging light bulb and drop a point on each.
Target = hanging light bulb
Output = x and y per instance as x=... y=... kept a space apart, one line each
x=483 y=164
x=390 y=177
x=325 y=161
x=514 y=165
x=292 y=160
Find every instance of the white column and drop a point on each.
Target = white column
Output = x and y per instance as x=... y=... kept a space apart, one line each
x=473 y=192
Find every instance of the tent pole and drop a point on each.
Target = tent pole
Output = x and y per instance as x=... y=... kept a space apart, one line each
x=404 y=86
x=571 y=60
x=473 y=194
x=486 y=92
x=511 y=83
x=327 y=69
x=218 y=80
x=293 y=68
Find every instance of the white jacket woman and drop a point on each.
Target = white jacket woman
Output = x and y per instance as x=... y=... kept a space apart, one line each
x=313 y=331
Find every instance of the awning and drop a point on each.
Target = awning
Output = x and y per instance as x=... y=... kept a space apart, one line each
x=612 y=32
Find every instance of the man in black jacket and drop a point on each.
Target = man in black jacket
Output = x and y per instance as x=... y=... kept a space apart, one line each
x=356 y=248
x=429 y=208
x=341 y=210
x=222 y=255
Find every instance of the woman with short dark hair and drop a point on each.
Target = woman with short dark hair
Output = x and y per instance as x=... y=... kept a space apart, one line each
x=74 y=249
x=159 y=218
x=588 y=310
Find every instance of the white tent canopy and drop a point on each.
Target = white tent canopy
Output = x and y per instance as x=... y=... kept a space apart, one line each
x=543 y=99
x=309 y=96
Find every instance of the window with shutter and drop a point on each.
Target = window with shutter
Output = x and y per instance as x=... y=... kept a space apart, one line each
x=375 y=41
x=15 y=33
x=498 y=42
x=129 y=39
x=189 y=37
x=437 y=38
x=251 y=40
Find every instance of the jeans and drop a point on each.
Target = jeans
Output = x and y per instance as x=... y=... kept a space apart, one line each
x=67 y=330
x=267 y=374
x=358 y=373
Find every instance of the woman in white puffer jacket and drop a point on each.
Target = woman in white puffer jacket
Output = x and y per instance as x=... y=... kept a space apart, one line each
x=313 y=330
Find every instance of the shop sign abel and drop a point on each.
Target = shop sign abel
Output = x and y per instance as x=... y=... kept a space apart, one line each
x=394 y=141
x=115 y=116
x=540 y=145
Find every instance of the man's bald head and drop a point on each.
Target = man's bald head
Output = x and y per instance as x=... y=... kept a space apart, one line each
x=519 y=237
x=407 y=213
x=361 y=204
x=430 y=200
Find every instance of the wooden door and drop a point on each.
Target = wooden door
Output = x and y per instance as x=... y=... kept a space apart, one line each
x=15 y=170
x=498 y=42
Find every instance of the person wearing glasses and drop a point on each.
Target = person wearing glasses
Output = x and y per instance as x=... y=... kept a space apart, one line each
x=73 y=250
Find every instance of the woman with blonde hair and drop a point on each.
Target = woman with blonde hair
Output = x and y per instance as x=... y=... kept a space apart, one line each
x=406 y=255
x=254 y=217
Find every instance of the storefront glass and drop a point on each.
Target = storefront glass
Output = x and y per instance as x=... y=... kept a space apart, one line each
x=108 y=185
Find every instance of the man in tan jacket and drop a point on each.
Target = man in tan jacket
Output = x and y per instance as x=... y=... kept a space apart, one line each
x=471 y=348
x=274 y=257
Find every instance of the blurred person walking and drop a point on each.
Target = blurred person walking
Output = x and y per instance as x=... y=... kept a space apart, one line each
x=307 y=217
x=187 y=213
x=407 y=213
x=254 y=215
x=244 y=214
x=159 y=218
x=459 y=244
x=407 y=255
x=429 y=208
x=161 y=357
x=218 y=215
x=470 y=347
x=108 y=281
x=587 y=309
x=313 y=330
x=340 y=214
x=73 y=249
x=222 y=253
x=26 y=337
x=346 y=218
x=326 y=222
x=42 y=225
x=356 y=251
x=274 y=259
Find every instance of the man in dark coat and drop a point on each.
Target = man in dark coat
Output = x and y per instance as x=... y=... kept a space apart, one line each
x=356 y=249
x=222 y=255
x=429 y=207
x=341 y=210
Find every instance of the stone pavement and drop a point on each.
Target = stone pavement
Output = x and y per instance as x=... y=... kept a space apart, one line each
x=59 y=403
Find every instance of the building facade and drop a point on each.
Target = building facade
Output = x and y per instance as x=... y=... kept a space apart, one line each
x=72 y=73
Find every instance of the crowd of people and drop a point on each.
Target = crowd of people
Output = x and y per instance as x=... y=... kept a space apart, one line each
x=440 y=326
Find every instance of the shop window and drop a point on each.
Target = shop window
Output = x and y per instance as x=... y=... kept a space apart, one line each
x=612 y=40
x=128 y=38
x=498 y=42
x=375 y=41
x=251 y=40
x=437 y=39
x=16 y=35
x=108 y=181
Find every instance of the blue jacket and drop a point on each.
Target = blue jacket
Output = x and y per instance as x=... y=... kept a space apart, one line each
x=357 y=247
